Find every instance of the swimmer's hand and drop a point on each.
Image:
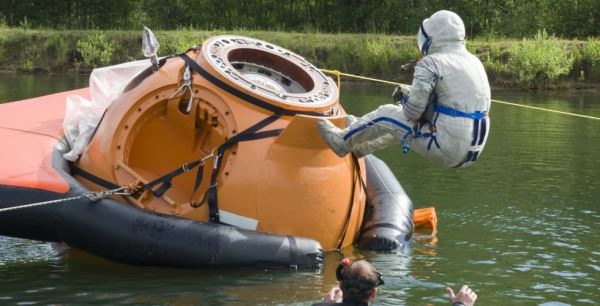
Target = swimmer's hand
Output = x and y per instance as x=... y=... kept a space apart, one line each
x=334 y=295
x=465 y=296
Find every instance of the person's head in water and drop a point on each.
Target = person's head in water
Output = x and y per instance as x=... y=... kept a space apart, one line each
x=358 y=280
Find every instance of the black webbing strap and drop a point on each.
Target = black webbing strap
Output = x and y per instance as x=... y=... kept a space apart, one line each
x=199 y=175
x=165 y=180
x=358 y=176
x=92 y=178
x=251 y=133
x=242 y=95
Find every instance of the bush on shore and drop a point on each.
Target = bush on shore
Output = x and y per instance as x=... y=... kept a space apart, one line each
x=538 y=62
x=590 y=59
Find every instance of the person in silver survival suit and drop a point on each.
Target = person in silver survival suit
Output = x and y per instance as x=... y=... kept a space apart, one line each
x=444 y=116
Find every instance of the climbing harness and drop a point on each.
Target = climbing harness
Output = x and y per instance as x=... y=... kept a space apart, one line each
x=456 y=113
x=410 y=133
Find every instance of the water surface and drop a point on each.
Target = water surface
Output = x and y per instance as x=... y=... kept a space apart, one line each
x=519 y=226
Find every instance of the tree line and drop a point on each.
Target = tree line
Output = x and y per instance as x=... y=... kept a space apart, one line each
x=495 y=18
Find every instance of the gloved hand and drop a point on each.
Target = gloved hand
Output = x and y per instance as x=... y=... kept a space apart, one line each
x=398 y=96
x=410 y=65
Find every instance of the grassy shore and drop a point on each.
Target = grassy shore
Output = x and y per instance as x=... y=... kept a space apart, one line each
x=542 y=61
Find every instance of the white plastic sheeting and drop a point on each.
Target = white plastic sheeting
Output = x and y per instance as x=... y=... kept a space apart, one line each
x=82 y=115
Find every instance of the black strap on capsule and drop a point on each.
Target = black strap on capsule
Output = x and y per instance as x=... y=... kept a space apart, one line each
x=251 y=133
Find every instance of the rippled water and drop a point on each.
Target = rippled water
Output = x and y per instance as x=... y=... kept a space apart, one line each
x=519 y=226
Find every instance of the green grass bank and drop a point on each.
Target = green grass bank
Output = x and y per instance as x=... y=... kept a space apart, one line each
x=542 y=61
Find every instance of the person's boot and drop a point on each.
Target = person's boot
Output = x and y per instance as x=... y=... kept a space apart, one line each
x=363 y=136
x=332 y=136
x=349 y=120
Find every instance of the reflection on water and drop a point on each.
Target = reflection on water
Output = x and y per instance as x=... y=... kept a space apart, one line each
x=77 y=278
x=17 y=86
x=518 y=226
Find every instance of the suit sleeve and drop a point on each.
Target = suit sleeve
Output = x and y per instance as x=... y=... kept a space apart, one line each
x=424 y=80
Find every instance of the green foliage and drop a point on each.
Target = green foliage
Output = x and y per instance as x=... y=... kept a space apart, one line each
x=531 y=62
x=3 y=24
x=173 y=42
x=494 y=56
x=32 y=57
x=540 y=60
x=24 y=23
x=590 y=54
x=18 y=49
x=56 y=51
x=364 y=54
x=482 y=17
x=96 y=50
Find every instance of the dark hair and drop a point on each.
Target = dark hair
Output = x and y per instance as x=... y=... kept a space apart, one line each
x=357 y=280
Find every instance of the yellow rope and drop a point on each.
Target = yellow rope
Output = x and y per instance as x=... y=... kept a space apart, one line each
x=546 y=109
x=338 y=74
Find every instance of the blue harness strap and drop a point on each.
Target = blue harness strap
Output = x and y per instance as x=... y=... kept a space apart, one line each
x=433 y=136
x=415 y=132
x=456 y=113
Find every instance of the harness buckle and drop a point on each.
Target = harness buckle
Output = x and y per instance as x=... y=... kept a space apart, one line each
x=408 y=137
x=216 y=161
x=186 y=85
x=187 y=76
x=207 y=157
x=95 y=196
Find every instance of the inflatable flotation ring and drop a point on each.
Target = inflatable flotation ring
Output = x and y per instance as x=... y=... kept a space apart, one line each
x=219 y=152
